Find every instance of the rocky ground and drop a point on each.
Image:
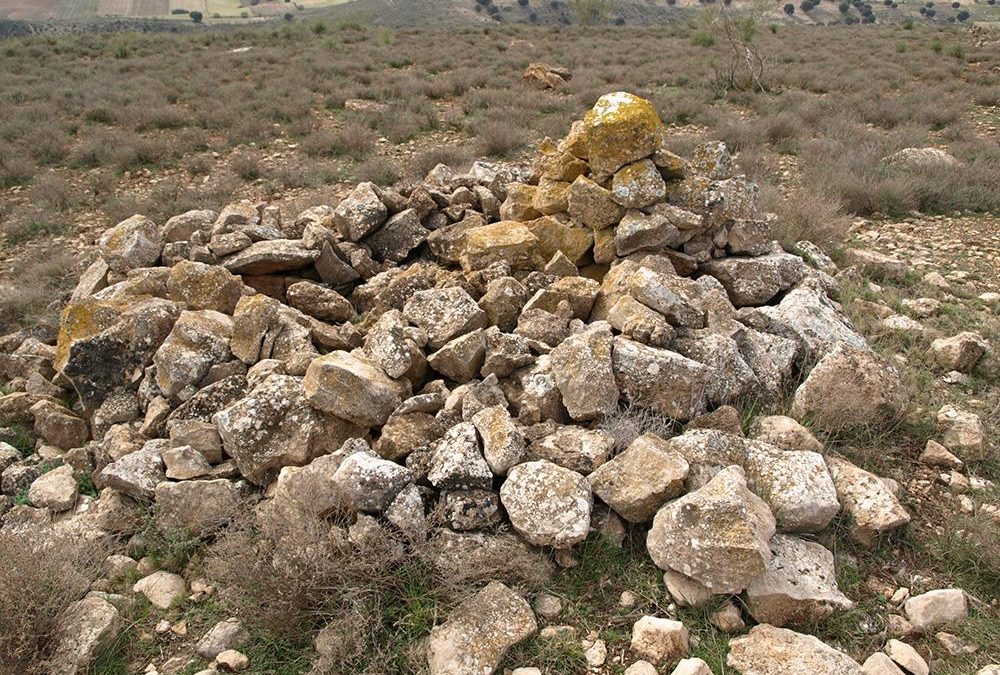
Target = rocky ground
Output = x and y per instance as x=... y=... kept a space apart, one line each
x=578 y=416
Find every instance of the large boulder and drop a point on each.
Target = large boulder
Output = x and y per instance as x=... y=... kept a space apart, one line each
x=198 y=341
x=548 y=505
x=717 y=535
x=131 y=244
x=799 y=586
x=767 y=650
x=640 y=480
x=103 y=343
x=444 y=313
x=849 y=388
x=351 y=388
x=198 y=506
x=479 y=632
x=274 y=426
x=807 y=316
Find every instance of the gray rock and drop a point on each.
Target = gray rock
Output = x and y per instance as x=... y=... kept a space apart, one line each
x=583 y=372
x=199 y=506
x=370 y=483
x=85 y=630
x=131 y=244
x=755 y=281
x=136 y=474
x=317 y=301
x=271 y=256
x=660 y=379
x=224 y=635
x=457 y=462
x=444 y=314
x=575 y=448
x=548 y=505
x=360 y=213
x=56 y=490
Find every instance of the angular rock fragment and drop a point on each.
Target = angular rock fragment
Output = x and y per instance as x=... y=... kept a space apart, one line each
x=718 y=535
x=271 y=256
x=479 y=632
x=755 y=281
x=351 y=389
x=767 y=650
x=584 y=374
x=131 y=244
x=943 y=607
x=444 y=314
x=872 y=506
x=660 y=379
x=198 y=506
x=660 y=641
x=639 y=481
x=799 y=586
x=360 y=213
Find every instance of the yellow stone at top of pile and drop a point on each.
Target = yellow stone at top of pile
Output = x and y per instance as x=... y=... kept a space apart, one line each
x=620 y=129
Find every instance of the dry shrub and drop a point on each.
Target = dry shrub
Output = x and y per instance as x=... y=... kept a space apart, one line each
x=378 y=594
x=40 y=282
x=813 y=217
x=631 y=421
x=455 y=157
x=500 y=138
x=39 y=578
x=354 y=140
x=382 y=171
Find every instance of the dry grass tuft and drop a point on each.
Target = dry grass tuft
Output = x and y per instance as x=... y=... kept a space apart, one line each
x=39 y=578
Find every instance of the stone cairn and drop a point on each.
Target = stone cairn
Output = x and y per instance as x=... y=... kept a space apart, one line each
x=460 y=345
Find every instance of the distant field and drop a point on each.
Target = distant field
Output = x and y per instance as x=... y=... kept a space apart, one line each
x=28 y=10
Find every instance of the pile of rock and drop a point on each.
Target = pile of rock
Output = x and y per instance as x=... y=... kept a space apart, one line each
x=456 y=346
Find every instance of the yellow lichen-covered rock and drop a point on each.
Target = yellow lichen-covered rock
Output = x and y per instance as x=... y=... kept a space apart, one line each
x=506 y=241
x=519 y=202
x=638 y=185
x=202 y=286
x=551 y=197
x=102 y=344
x=604 y=246
x=553 y=163
x=621 y=128
x=593 y=206
x=575 y=142
x=553 y=236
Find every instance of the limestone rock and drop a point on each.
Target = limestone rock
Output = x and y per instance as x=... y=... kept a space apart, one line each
x=162 y=589
x=850 y=388
x=717 y=534
x=132 y=243
x=796 y=484
x=640 y=480
x=593 y=206
x=400 y=235
x=943 y=607
x=799 y=586
x=660 y=641
x=960 y=352
x=136 y=474
x=85 y=629
x=574 y=448
x=457 y=462
x=548 y=505
x=880 y=664
x=639 y=231
x=444 y=314
x=621 y=128
x=503 y=442
x=274 y=426
x=201 y=286
x=962 y=432
x=199 y=506
x=755 y=281
x=784 y=432
x=507 y=241
x=660 y=379
x=271 y=256
x=479 y=632
x=227 y=634
x=199 y=340
x=350 y=388
x=935 y=454
x=907 y=657
x=584 y=374
x=369 y=483
x=767 y=650
x=807 y=316
x=638 y=185
x=56 y=490
x=872 y=506
x=317 y=301
x=360 y=213
x=59 y=426
x=460 y=359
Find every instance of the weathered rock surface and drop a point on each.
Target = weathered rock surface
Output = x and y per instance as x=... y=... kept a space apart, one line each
x=639 y=481
x=718 y=534
x=547 y=504
x=478 y=633
x=767 y=650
